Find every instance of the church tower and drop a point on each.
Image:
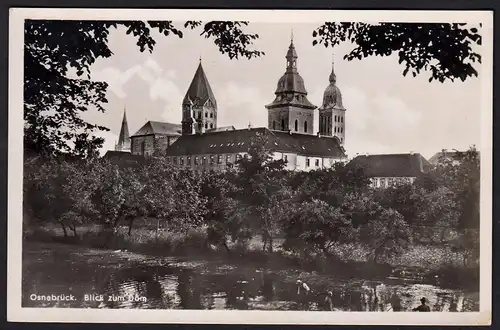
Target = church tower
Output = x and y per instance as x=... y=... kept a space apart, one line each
x=332 y=111
x=199 y=107
x=291 y=110
x=124 y=138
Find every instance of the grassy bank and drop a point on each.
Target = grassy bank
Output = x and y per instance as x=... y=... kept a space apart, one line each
x=421 y=262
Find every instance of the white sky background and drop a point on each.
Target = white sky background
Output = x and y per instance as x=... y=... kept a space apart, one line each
x=386 y=112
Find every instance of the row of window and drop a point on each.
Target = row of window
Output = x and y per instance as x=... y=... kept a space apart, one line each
x=325 y=125
x=339 y=129
x=283 y=127
x=308 y=162
x=217 y=160
x=206 y=125
x=203 y=160
x=207 y=114
x=339 y=119
x=387 y=182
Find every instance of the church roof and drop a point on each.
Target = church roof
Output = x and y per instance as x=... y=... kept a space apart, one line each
x=291 y=89
x=238 y=141
x=124 y=138
x=392 y=165
x=332 y=97
x=199 y=92
x=159 y=128
x=221 y=129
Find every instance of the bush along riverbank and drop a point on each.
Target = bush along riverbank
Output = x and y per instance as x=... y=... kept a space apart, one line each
x=419 y=264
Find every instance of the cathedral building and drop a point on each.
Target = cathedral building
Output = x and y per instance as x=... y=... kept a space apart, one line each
x=198 y=143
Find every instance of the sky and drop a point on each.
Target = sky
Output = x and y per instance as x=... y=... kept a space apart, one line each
x=386 y=112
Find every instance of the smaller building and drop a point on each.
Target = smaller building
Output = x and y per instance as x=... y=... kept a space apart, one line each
x=123 y=158
x=154 y=136
x=392 y=169
x=444 y=155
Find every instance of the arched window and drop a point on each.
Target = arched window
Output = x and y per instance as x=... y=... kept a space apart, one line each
x=211 y=125
x=274 y=124
x=335 y=130
x=296 y=125
x=206 y=125
x=305 y=126
x=283 y=124
x=335 y=118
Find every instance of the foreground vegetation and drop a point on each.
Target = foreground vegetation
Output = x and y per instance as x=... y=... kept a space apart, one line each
x=329 y=215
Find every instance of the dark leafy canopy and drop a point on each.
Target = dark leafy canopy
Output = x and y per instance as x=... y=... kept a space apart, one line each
x=58 y=87
x=443 y=49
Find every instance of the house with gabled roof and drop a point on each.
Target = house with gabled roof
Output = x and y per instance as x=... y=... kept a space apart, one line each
x=387 y=170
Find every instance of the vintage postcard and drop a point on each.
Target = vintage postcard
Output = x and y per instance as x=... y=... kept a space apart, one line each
x=250 y=167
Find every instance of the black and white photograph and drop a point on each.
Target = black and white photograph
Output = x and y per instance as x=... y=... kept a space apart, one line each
x=287 y=167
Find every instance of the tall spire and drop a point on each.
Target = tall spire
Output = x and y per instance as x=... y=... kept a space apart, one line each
x=291 y=57
x=333 y=77
x=291 y=37
x=199 y=90
x=124 y=138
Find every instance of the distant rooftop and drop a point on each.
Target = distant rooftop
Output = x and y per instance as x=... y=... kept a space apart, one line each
x=392 y=165
x=159 y=128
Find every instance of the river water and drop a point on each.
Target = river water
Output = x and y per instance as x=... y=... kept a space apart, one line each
x=116 y=279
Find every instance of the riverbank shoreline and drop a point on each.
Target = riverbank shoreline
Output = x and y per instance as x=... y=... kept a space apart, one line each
x=421 y=264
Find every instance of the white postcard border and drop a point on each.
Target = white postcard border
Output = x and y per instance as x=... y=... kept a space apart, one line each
x=15 y=176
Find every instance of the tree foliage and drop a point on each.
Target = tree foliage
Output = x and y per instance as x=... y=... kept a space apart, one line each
x=447 y=50
x=314 y=211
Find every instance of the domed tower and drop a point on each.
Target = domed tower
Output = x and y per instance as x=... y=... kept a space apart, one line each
x=332 y=111
x=291 y=110
x=199 y=107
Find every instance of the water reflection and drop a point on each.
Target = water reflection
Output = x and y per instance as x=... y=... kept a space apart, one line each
x=154 y=284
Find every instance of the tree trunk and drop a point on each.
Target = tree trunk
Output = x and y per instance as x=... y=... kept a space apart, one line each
x=225 y=246
x=157 y=230
x=73 y=228
x=130 y=223
x=270 y=240
x=64 y=229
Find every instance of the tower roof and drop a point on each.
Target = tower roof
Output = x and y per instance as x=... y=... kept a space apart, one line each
x=332 y=97
x=291 y=89
x=124 y=138
x=199 y=92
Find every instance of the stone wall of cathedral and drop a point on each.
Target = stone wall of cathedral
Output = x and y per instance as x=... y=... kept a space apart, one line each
x=291 y=118
x=146 y=145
